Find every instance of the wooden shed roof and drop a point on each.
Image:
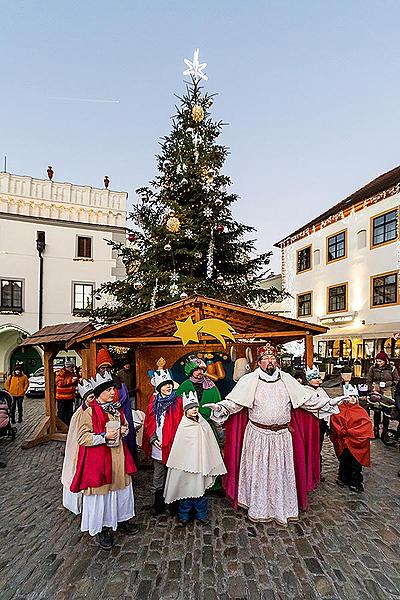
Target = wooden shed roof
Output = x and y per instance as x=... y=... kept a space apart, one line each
x=159 y=325
x=59 y=334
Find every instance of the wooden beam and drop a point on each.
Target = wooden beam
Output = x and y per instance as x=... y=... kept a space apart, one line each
x=84 y=354
x=92 y=359
x=40 y=431
x=49 y=387
x=309 y=351
x=172 y=339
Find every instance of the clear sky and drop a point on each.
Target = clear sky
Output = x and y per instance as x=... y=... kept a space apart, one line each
x=310 y=89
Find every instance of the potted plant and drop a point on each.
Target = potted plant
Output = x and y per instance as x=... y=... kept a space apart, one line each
x=346 y=374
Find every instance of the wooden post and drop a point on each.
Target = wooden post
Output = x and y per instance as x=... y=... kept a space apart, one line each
x=49 y=388
x=50 y=427
x=92 y=359
x=84 y=353
x=309 y=350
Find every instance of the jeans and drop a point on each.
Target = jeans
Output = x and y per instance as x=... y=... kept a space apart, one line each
x=16 y=402
x=199 y=506
x=65 y=410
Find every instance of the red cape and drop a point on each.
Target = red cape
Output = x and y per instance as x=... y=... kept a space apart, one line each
x=173 y=416
x=94 y=463
x=306 y=454
x=352 y=429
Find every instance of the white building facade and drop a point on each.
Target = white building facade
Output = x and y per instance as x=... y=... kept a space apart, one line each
x=342 y=271
x=71 y=224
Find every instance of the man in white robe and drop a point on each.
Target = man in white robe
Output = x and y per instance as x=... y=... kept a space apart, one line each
x=267 y=484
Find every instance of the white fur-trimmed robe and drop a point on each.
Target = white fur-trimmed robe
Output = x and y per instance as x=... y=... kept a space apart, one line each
x=194 y=462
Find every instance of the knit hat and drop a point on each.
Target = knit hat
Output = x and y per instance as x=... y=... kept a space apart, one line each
x=382 y=356
x=103 y=358
x=193 y=364
x=189 y=400
x=85 y=388
x=100 y=383
x=313 y=373
x=160 y=378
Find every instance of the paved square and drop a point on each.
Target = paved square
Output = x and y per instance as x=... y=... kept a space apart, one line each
x=346 y=546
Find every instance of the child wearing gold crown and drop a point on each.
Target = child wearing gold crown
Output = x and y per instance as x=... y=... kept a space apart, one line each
x=194 y=463
x=163 y=416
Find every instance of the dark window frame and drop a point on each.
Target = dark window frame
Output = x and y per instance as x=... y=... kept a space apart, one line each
x=332 y=245
x=87 y=246
x=385 y=288
x=330 y=297
x=388 y=225
x=301 y=303
x=14 y=306
x=300 y=259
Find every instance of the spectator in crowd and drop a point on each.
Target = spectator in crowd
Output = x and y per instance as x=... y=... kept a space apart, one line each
x=382 y=379
x=17 y=384
x=66 y=382
x=126 y=376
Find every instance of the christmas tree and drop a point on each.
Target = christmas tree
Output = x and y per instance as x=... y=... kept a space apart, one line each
x=184 y=238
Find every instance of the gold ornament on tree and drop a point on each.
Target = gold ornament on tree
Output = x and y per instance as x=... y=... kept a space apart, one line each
x=197 y=113
x=173 y=224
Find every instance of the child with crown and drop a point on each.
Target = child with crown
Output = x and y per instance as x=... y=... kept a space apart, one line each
x=104 y=465
x=163 y=416
x=193 y=464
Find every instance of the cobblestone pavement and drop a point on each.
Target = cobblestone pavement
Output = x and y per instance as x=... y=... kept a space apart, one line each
x=345 y=546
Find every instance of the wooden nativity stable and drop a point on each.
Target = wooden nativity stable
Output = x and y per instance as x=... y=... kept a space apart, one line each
x=173 y=332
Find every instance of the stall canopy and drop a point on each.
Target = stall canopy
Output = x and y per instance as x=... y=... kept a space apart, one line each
x=52 y=339
x=159 y=325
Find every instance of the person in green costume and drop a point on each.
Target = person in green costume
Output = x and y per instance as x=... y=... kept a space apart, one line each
x=206 y=390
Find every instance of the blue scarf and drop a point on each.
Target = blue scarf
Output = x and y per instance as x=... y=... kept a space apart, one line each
x=161 y=404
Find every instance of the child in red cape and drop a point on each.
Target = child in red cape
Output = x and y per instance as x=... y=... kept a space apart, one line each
x=164 y=413
x=351 y=432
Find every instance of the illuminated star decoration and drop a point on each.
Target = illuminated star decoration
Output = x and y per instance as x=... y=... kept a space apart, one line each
x=195 y=68
x=188 y=331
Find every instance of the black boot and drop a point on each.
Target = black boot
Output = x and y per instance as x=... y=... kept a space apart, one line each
x=376 y=433
x=105 y=539
x=128 y=528
x=159 y=505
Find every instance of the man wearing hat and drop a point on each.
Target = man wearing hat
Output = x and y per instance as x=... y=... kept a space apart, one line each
x=163 y=416
x=66 y=383
x=264 y=462
x=382 y=379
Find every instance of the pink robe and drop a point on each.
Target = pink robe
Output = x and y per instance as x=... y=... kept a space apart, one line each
x=306 y=453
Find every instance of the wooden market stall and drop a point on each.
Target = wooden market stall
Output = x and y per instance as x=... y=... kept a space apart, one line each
x=53 y=339
x=156 y=333
x=173 y=332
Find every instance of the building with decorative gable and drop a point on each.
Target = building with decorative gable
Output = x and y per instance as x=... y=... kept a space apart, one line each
x=53 y=255
x=342 y=271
